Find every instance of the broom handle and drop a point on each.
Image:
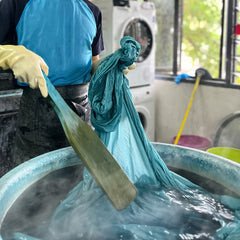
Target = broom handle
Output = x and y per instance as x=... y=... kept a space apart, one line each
x=188 y=109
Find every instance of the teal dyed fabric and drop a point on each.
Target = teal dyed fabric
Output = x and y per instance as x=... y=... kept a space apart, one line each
x=105 y=90
x=117 y=123
x=167 y=207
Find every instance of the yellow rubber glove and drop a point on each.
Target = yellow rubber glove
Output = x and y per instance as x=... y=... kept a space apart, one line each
x=129 y=68
x=26 y=66
x=96 y=63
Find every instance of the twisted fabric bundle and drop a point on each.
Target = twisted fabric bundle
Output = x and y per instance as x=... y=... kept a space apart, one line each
x=105 y=90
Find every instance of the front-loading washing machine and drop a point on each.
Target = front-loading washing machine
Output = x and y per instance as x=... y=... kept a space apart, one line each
x=143 y=100
x=135 y=19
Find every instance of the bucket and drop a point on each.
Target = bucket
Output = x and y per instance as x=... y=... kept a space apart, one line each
x=193 y=141
x=226 y=152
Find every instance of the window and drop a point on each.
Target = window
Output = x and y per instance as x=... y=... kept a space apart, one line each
x=164 y=36
x=234 y=42
x=192 y=34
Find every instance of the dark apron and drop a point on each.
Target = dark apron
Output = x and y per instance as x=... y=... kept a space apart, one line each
x=39 y=129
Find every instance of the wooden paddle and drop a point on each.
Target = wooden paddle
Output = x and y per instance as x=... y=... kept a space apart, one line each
x=94 y=154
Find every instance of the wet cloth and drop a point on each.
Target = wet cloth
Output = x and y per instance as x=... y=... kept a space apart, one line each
x=167 y=207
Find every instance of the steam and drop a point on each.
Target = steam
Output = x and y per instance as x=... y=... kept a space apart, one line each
x=33 y=209
x=86 y=213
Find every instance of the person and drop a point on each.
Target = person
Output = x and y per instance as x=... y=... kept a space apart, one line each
x=61 y=38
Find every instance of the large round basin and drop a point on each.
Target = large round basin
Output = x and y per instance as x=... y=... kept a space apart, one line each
x=215 y=173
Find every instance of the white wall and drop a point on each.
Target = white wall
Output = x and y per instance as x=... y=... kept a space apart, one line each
x=209 y=107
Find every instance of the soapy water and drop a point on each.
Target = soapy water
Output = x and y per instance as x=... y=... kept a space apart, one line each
x=155 y=214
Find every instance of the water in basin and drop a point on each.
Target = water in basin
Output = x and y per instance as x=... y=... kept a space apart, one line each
x=155 y=214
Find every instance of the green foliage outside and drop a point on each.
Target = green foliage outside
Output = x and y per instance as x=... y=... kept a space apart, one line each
x=201 y=31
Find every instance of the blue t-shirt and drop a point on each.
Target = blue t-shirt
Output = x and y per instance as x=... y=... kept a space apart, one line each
x=65 y=33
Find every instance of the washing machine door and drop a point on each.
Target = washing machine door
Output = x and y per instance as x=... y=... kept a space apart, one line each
x=139 y=29
x=147 y=120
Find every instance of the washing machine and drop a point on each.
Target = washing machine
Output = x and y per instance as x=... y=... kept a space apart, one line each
x=143 y=100
x=135 y=19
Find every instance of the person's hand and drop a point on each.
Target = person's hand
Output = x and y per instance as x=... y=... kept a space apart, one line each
x=26 y=66
x=95 y=65
x=129 y=68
